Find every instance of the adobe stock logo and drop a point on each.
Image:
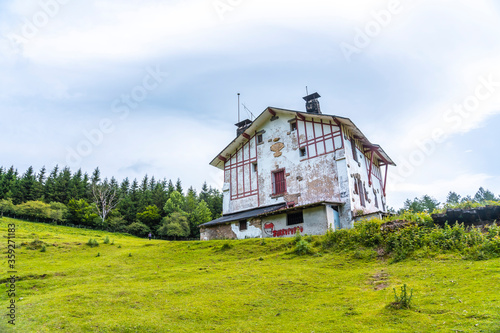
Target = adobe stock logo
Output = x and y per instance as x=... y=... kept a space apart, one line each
x=40 y=19
x=121 y=106
x=363 y=37
x=454 y=118
x=223 y=6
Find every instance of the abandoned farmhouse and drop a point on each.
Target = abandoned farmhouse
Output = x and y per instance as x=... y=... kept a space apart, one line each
x=291 y=170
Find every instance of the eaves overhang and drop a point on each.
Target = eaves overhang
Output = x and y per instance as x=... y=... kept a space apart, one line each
x=269 y=112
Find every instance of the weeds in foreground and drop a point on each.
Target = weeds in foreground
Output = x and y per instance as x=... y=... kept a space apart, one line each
x=403 y=301
x=417 y=238
x=302 y=245
x=225 y=246
x=92 y=243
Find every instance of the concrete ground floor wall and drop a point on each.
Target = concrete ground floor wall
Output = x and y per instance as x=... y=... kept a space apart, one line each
x=316 y=221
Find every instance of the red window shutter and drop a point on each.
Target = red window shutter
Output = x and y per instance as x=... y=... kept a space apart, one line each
x=279 y=185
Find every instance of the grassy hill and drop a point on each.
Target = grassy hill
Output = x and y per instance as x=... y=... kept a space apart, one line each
x=136 y=285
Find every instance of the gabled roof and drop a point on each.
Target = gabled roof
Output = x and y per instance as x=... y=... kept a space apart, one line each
x=264 y=117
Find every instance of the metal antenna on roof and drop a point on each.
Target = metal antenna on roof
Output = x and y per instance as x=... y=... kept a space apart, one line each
x=238 y=107
x=248 y=110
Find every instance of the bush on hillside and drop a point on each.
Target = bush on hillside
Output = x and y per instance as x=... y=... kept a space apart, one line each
x=138 y=229
x=400 y=243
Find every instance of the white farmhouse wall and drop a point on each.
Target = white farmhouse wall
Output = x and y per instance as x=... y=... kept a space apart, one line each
x=307 y=180
x=320 y=170
x=361 y=168
x=250 y=232
x=316 y=222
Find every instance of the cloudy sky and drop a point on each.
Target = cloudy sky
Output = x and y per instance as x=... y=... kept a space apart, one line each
x=149 y=87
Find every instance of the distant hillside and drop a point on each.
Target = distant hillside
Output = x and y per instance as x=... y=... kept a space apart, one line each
x=134 y=285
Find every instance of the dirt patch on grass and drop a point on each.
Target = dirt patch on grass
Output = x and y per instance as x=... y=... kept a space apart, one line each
x=34 y=245
x=380 y=280
x=26 y=277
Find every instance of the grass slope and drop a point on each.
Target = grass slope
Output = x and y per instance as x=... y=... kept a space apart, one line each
x=136 y=285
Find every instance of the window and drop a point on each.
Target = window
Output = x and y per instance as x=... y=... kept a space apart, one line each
x=361 y=193
x=376 y=200
x=260 y=138
x=353 y=147
x=279 y=183
x=293 y=126
x=243 y=225
x=294 y=218
x=302 y=152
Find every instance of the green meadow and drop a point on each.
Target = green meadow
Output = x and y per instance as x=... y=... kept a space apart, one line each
x=136 y=285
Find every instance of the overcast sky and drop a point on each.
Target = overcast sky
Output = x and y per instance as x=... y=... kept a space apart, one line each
x=149 y=87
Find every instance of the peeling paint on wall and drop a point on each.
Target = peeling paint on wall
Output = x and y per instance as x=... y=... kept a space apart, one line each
x=276 y=148
x=217 y=232
x=253 y=230
x=323 y=162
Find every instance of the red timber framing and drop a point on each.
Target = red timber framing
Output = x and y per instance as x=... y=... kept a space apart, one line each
x=372 y=165
x=386 y=168
x=243 y=178
x=385 y=178
x=319 y=137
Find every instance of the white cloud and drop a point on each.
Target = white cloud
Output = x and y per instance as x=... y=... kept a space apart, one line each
x=84 y=50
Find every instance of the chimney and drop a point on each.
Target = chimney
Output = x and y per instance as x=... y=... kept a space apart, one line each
x=312 y=103
x=242 y=126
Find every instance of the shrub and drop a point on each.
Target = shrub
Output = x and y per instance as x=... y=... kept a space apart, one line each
x=419 y=238
x=175 y=225
x=364 y=254
x=297 y=238
x=368 y=233
x=303 y=248
x=338 y=240
x=92 y=243
x=225 y=246
x=44 y=249
x=106 y=240
x=138 y=229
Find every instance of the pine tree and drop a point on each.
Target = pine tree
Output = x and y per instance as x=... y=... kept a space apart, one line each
x=62 y=183
x=124 y=187
x=39 y=184
x=178 y=186
x=204 y=194
x=145 y=197
x=74 y=185
x=483 y=195
x=159 y=195
x=452 y=198
x=96 y=176
x=170 y=188
x=27 y=185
